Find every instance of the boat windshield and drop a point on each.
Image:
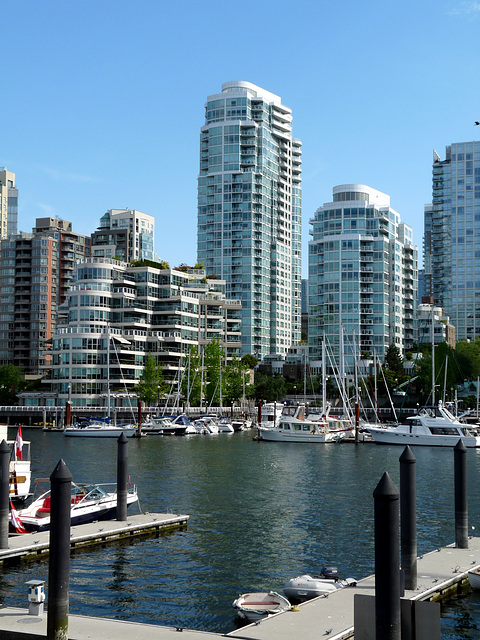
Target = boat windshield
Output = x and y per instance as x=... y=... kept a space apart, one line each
x=94 y=492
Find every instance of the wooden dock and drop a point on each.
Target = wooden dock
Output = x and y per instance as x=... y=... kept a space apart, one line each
x=31 y=545
x=441 y=573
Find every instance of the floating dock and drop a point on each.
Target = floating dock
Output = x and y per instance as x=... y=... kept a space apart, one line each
x=31 y=545
x=440 y=573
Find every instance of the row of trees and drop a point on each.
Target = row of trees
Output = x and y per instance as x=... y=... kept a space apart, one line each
x=206 y=379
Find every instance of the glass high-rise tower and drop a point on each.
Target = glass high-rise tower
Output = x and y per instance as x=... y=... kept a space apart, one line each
x=249 y=212
x=363 y=275
x=452 y=252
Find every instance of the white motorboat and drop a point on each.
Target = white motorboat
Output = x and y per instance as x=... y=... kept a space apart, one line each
x=259 y=605
x=168 y=425
x=225 y=426
x=99 y=429
x=89 y=502
x=239 y=425
x=20 y=476
x=154 y=425
x=306 y=587
x=474 y=578
x=295 y=427
x=431 y=426
x=207 y=425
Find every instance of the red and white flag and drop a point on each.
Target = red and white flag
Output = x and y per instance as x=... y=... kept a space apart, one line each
x=19 y=443
x=17 y=523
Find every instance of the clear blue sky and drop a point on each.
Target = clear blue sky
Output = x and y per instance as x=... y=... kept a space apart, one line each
x=102 y=102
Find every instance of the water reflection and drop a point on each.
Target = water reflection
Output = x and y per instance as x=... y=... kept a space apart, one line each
x=260 y=513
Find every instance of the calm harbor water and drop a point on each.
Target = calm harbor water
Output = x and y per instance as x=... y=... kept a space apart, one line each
x=260 y=513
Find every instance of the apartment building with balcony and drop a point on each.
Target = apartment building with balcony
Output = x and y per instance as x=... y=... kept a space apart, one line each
x=8 y=203
x=363 y=274
x=452 y=254
x=124 y=312
x=249 y=212
x=35 y=272
x=124 y=234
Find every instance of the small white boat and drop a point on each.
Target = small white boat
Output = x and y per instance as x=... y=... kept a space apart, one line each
x=89 y=502
x=207 y=425
x=259 y=605
x=474 y=578
x=306 y=587
x=225 y=426
x=154 y=425
x=99 y=429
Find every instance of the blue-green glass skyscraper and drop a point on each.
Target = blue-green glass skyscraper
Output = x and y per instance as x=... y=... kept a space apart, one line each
x=452 y=253
x=249 y=212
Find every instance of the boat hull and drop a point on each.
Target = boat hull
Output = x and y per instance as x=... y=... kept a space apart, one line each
x=258 y=606
x=105 y=510
x=306 y=587
x=277 y=435
x=474 y=579
x=393 y=436
x=98 y=432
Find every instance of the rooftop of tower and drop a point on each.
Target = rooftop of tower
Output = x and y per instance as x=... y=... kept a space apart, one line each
x=242 y=85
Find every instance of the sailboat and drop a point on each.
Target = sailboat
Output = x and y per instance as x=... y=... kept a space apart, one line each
x=101 y=427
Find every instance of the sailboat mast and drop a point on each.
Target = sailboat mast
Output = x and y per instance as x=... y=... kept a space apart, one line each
x=324 y=379
x=108 y=371
x=433 y=355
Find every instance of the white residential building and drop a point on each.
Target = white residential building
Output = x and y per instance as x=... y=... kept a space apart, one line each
x=249 y=212
x=363 y=275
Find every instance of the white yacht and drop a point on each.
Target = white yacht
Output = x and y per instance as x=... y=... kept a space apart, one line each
x=294 y=426
x=271 y=414
x=431 y=426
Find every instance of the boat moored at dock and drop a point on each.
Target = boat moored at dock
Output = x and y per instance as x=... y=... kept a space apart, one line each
x=259 y=605
x=89 y=502
x=431 y=426
x=294 y=426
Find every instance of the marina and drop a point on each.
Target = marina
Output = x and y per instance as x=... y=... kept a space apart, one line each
x=441 y=572
x=260 y=513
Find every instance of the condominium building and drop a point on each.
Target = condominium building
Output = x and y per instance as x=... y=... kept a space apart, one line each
x=363 y=272
x=35 y=272
x=430 y=317
x=452 y=257
x=249 y=212
x=8 y=203
x=124 y=312
x=124 y=234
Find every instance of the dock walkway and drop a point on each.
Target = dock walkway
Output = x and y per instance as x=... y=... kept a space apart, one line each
x=31 y=545
x=440 y=573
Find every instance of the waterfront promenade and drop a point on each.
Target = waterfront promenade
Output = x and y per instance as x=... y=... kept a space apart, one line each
x=441 y=573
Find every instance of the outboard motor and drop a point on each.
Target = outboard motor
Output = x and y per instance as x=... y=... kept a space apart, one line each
x=330 y=573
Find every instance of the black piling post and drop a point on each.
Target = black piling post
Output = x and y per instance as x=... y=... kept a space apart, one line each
x=408 y=517
x=461 y=502
x=4 y=492
x=122 y=477
x=387 y=566
x=59 y=556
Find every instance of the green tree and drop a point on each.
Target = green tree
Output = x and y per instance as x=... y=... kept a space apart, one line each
x=393 y=359
x=151 y=386
x=249 y=361
x=269 y=388
x=11 y=383
x=213 y=360
x=192 y=378
x=235 y=374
